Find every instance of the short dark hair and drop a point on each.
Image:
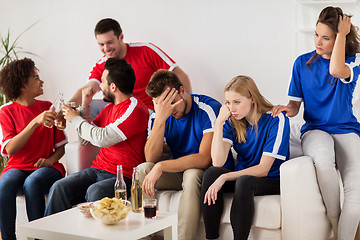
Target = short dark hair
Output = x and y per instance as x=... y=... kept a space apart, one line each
x=14 y=75
x=106 y=25
x=160 y=80
x=121 y=74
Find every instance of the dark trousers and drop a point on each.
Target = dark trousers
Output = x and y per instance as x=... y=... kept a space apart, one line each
x=89 y=185
x=242 y=208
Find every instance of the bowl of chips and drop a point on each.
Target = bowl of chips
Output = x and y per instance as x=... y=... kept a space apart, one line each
x=110 y=210
x=84 y=208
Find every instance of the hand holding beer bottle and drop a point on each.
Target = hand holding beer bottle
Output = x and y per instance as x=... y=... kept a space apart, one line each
x=46 y=118
x=56 y=108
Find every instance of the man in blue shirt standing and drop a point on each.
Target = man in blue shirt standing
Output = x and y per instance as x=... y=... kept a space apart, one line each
x=185 y=122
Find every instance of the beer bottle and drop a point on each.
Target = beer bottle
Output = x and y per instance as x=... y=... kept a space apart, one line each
x=60 y=121
x=120 y=186
x=136 y=192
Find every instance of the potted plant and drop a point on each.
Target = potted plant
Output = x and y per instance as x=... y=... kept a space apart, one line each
x=9 y=51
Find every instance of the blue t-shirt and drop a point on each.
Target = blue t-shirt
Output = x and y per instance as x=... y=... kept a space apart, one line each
x=272 y=139
x=184 y=135
x=327 y=100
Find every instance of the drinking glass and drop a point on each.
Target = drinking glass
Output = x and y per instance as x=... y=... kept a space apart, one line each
x=149 y=205
x=72 y=105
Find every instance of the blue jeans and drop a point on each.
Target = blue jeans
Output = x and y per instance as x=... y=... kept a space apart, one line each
x=34 y=185
x=89 y=185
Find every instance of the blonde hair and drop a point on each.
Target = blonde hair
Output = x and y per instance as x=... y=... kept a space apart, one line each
x=246 y=87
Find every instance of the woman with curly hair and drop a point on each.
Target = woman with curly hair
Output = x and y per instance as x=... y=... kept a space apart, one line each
x=33 y=149
x=324 y=80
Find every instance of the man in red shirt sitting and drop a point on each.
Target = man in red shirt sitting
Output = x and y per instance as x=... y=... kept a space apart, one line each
x=120 y=132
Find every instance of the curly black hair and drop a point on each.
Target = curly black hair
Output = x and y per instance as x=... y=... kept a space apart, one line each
x=14 y=75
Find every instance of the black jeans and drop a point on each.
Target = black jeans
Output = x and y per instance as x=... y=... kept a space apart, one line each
x=242 y=208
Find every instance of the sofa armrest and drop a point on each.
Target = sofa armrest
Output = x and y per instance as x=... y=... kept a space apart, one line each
x=303 y=210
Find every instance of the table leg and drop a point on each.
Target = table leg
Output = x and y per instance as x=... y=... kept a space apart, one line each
x=170 y=233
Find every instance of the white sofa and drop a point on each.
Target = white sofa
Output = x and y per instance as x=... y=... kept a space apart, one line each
x=297 y=214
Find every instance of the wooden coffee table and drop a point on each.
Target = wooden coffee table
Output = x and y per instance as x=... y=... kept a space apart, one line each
x=72 y=225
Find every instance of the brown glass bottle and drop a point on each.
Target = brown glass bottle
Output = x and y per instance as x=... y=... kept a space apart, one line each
x=136 y=192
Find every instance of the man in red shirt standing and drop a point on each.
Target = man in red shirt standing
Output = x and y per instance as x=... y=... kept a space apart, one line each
x=120 y=132
x=145 y=59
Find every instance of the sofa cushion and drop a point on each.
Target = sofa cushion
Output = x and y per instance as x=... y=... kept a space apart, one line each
x=168 y=200
x=267 y=208
x=295 y=140
x=267 y=212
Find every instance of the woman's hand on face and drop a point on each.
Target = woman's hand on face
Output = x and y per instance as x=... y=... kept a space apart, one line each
x=211 y=193
x=224 y=113
x=344 y=25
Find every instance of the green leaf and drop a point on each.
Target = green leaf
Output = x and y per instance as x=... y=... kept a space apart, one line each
x=11 y=51
x=25 y=31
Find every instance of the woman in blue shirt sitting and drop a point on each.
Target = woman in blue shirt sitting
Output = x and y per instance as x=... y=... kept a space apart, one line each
x=262 y=145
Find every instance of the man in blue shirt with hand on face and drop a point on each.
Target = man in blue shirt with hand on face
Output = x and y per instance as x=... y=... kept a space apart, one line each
x=185 y=122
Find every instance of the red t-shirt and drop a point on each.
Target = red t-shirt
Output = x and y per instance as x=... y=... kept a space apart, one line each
x=129 y=119
x=145 y=58
x=41 y=144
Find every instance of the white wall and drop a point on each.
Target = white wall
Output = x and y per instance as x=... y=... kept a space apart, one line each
x=212 y=40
